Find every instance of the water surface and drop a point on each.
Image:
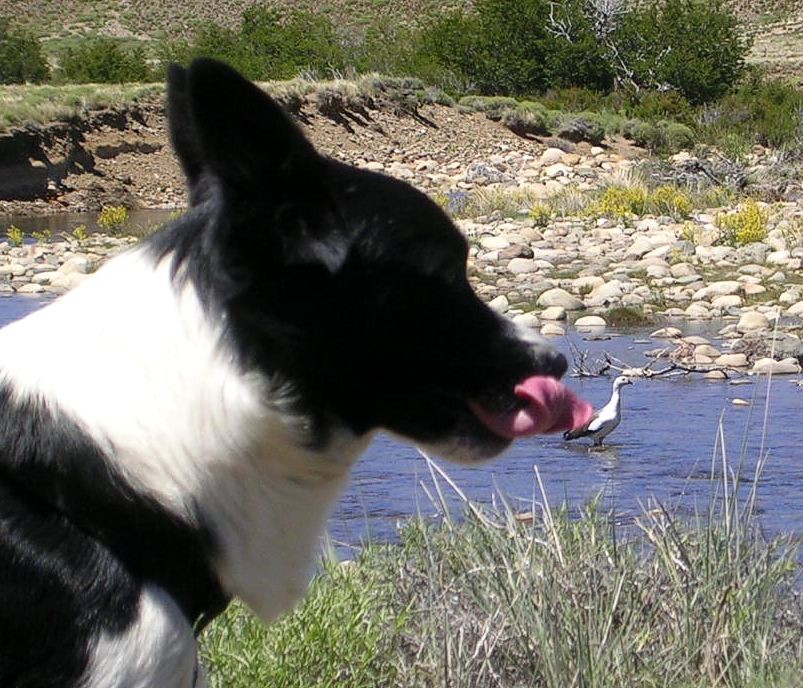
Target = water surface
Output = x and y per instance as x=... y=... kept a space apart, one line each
x=662 y=450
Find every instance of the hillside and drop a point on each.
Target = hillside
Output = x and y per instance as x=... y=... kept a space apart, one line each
x=776 y=25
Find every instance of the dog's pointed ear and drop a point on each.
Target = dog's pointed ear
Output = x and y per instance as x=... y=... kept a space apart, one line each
x=182 y=134
x=240 y=134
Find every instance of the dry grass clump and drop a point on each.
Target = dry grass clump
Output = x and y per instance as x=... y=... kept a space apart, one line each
x=37 y=104
x=553 y=598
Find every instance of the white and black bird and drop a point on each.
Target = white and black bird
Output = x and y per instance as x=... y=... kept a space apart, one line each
x=604 y=421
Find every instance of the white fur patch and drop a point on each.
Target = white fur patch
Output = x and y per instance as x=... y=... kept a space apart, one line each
x=157 y=650
x=150 y=377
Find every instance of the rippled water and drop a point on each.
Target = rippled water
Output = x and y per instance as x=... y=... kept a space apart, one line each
x=65 y=223
x=662 y=449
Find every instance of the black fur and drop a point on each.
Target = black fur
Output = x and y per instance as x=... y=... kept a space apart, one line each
x=349 y=285
x=88 y=540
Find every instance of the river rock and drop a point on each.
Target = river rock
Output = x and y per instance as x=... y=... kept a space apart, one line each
x=590 y=323
x=522 y=266
x=707 y=350
x=75 y=264
x=31 y=289
x=605 y=294
x=562 y=298
x=727 y=301
x=731 y=360
x=722 y=288
x=553 y=313
x=767 y=366
x=796 y=309
x=494 y=243
x=500 y=304
x=551 y=156
x=526 y=320
x=682 y=270
x=45 y=277
x=666 y=333
x=753 y=289
x=698 y=311
x=752 y=321
x=715 y=375
x=552 y=330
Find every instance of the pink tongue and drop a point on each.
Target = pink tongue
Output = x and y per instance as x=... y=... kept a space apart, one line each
x=551 y=407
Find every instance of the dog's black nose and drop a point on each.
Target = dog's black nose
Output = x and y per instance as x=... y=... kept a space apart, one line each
x=553 y=363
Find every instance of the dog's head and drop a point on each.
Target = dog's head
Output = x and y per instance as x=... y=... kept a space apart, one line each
x=347 y=285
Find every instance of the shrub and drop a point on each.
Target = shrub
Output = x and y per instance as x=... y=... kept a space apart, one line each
x=491 y=105
x=80 y=234
x=760 y=111
x=21 y=58
x=15 y=235
x=269 y=44
x=692 y=46
x=527 y=119
x=102 y=60
x=508 y=47
x=113 y=217
x=540 y=214
x=668 y=200
x=660 y=137
x=626 y=316
x=585 y=126
x=620 y=202
x=42 y=236
x=747 y=225
x=662 y=105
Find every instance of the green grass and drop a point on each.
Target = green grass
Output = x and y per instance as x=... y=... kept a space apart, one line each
x=30 y=104
x=553 y=599
x=626 y=316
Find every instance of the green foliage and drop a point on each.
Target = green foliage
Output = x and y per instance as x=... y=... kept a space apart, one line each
x=660 y=137
x=761 y=111
x=269 y=44
x=748 y=224
x=584 y=126
x=15 y=235
x=21 y=57
x=80 y=233
x=620 y=202
x=668 y=200
x=662 y=105
x=113 y=217
x=102 y=60
x=540 y=214
x=528 y=119
x=341 y=635
x=626 y=316
x=500 y=46
x=694 y=46
x=42 y=236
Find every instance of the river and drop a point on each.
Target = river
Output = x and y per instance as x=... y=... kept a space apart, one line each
x=663 y=451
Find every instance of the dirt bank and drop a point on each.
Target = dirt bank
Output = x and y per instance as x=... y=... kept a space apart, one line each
x=123 y=156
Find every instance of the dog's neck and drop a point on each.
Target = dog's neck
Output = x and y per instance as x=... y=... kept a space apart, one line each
x=142 y=371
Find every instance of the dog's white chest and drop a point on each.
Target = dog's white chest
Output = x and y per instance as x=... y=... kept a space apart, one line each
x=269 y=535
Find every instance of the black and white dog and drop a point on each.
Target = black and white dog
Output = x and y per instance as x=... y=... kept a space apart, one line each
x=184 y=439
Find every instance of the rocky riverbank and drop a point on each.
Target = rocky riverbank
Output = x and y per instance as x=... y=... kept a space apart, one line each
x=542 y=269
